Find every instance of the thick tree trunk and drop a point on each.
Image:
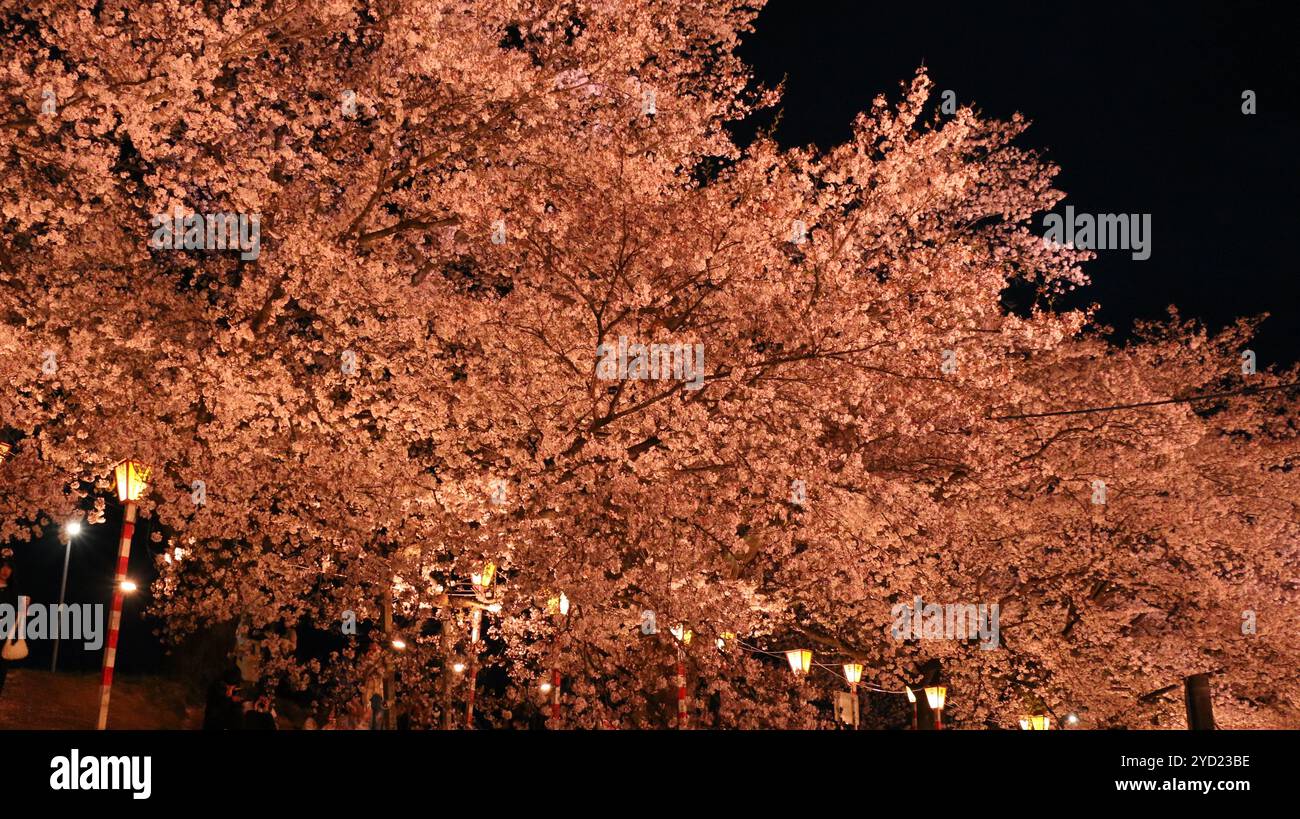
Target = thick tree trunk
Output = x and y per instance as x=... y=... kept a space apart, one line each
x=1200 y=709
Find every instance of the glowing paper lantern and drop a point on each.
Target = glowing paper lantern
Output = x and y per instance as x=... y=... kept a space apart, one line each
x=132 y=480
x=853 y=673
x=936 y=695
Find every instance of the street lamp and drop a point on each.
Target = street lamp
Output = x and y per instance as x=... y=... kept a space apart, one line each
x=132 y=478
x=683 y=636
x=558 y=608
x=1035 y=722
x=558 y=605
x=485 y=577
x=853 y=673
x=936 y=695
x=70 y=530
x=800 y=660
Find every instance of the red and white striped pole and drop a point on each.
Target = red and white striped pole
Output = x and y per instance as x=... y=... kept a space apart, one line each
x=559 y=607
x=681 y=692
x=555 y=697
x=477 y=622
x=115 y=619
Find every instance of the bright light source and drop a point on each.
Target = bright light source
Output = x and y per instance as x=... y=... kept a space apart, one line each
x=910 y=696
x=399 y=644
x=1072 y=719
x=853 y=673
x=459 y=668
x=546 y=688
x=495 y=608
x=1035 y=722
x=936 y=695
x=73 y=528
x=129 y=586
x=800 y=660
x=132 y=480
x=558 y=605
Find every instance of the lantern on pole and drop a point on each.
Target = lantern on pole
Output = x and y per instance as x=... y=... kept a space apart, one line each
x=911 y=697
x=936 y=696
x=853 y=674
x=558 y=608
x=1035 y=722
x=800 y=660
x=5 y=449
x=482 y=580
x=132 y=478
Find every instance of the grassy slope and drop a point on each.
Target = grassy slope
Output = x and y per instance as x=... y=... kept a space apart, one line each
x=39 y=700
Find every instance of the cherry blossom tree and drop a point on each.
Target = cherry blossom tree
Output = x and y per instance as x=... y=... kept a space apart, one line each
x=458 y=206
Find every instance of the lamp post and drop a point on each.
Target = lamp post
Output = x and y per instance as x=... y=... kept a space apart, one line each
x=853 y=673
x=71 y=530
x=558 y=608
x=476 y=624
x=132 y=481
x=911 y=697
x=936 y=695
x=482 y=582
x=683 y=635
x=800 y=660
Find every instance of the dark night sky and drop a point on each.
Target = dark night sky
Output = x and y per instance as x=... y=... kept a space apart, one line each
x=1138 y=103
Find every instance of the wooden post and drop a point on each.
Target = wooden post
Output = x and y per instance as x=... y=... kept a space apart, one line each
x=1200 y=709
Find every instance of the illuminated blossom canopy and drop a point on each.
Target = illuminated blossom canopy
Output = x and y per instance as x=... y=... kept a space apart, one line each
x=459 y=203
